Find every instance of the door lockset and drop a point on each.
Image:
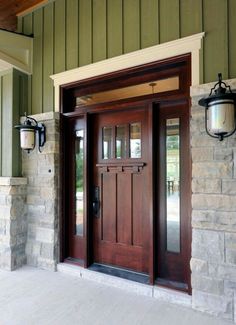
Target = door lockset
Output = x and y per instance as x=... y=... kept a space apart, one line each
x=96 y=201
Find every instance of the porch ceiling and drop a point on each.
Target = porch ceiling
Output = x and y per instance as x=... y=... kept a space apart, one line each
x=10 y=9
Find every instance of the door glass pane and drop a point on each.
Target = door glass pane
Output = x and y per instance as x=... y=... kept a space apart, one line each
x=135 y=140
x=79 y=182
x=107 y=142
x=172 y=185
x=120 y=141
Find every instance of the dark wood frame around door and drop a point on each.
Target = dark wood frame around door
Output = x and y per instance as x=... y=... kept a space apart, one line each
x=179 y=66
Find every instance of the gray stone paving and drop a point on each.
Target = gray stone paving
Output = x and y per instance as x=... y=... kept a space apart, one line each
x=30 y=296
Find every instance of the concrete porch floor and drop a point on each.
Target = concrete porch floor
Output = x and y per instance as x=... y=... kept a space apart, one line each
x=31 y=296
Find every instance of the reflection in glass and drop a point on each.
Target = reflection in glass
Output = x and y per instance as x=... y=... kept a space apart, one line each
x=107 y=142
x=172 y=185
x=79 y=179
x=120 y=141
x=135 y=140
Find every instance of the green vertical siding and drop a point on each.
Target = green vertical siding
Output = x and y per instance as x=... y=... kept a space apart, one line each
x=169 y=20
x=114 y=28
x=60 y=37
x=37 y=78
x=85 y=32
x=99 y=30
x=216 y=41
x=149 y=23
x=131 y=23
x=1 y=128
x=72 y=33
x=48 y=56
x=7 y=113
x=13 y=102
x=190 y=23
x=232 y=38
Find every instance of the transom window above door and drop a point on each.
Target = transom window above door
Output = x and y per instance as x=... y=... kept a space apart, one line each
x=122 y=141
x=147 y=88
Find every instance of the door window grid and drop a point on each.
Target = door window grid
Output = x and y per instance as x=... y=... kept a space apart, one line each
x=126 y=138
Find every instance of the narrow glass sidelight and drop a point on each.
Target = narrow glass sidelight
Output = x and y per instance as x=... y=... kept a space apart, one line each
x=135 y=140
x=172 y=185
x=79 y=182
x=106 y=142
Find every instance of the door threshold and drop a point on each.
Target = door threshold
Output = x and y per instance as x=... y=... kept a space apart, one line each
x=120 y=273
x=172 y=285
x=158 y=292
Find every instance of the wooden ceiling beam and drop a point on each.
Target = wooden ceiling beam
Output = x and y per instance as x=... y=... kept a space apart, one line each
x=10 y=9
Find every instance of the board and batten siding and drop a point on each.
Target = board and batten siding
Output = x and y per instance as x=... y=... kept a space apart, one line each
x=13 y=103
x=72 y=33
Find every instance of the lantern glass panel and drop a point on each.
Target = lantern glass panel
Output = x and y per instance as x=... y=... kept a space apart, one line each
x=221 y=117
x=27 y=139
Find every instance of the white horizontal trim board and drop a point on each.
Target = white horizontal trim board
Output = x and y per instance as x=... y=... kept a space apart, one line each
x=190 y=44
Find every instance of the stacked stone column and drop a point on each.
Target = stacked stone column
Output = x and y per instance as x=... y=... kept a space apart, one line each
x=213 y=260
x=13 y=222
x=42 y=172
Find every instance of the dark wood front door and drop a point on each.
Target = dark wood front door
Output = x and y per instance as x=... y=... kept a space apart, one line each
x=121 y=189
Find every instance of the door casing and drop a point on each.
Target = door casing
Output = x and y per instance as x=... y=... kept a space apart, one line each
x=180 y=66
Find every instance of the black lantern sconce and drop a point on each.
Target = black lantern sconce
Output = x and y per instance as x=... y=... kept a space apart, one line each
x=28 y=131
x=220 y=107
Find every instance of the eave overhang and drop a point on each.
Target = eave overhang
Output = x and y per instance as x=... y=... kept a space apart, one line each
x=16 y=51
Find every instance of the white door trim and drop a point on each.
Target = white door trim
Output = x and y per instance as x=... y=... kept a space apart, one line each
x=190 y=44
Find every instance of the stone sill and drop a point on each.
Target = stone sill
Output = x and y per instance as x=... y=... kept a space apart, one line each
x=9 y=181
x=43 y=117
x=204 y=89
x=156 y=292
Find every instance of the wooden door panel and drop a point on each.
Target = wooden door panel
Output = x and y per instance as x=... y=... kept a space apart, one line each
x=120 y=233
x=124 y=208
x=137 y=180
x=108 y=207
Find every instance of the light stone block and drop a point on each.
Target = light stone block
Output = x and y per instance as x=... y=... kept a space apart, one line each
x=44 y=235
x=223 y=154
x=202 y=154
x=208 y=245
x=214 y=220
x=206 y=185
x=199 y=266
x=207 y=284
x=216 y=169
x=230 y=248
x=213 y=202
x=221 y=306
x=229 y=186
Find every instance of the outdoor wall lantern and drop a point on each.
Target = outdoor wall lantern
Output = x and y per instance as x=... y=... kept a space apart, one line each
x=28 y=131
x=220 y=108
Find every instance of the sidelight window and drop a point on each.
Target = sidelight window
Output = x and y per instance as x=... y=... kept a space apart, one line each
x=79 y=182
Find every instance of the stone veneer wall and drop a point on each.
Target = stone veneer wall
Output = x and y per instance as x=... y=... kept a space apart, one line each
x=13 y=222
x=213 y=260
x=42 y=172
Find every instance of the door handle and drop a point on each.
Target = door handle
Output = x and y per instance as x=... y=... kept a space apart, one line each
x=96 y=201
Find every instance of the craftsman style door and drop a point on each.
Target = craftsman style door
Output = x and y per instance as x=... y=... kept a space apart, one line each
x=121 y=187
x=126 y=174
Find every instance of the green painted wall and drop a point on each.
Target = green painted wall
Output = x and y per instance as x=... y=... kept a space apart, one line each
x=72 y=33
x=13 y=104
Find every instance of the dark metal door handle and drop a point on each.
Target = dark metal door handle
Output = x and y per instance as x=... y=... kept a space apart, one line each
x=96 y=201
